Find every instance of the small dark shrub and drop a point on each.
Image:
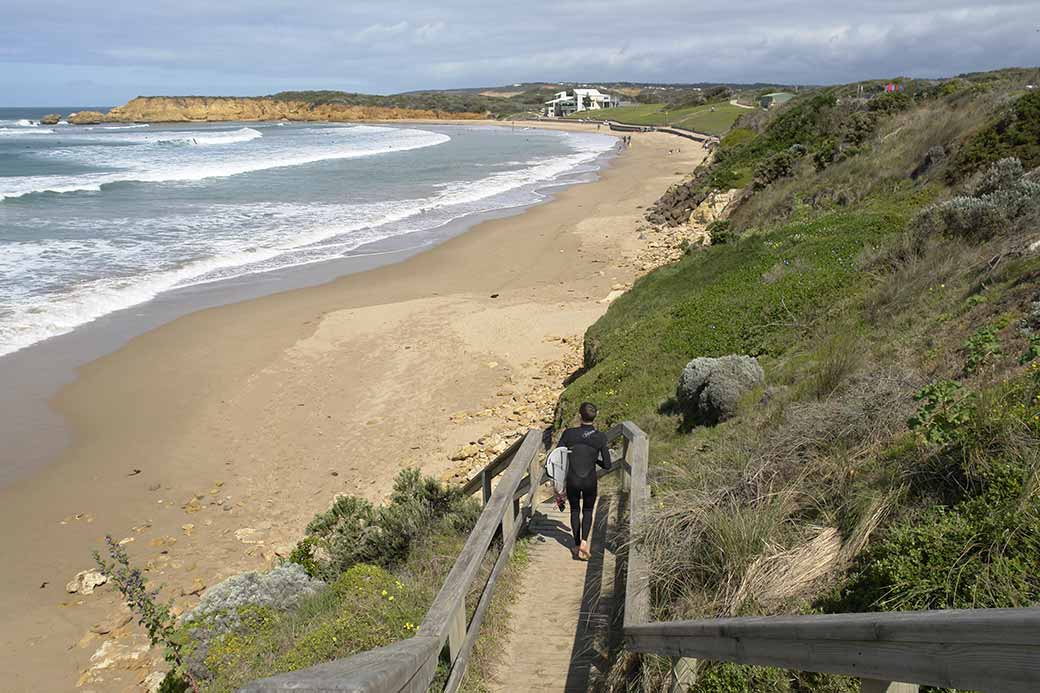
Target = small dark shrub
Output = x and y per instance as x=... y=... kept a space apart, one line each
x=721 y=232
x=981 y=348
x=1016 y=133
x=943 y=411
x=777 y=166
x=892 y=102
x=354 y=531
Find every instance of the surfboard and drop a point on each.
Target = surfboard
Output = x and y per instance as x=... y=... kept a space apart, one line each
x=556 y=469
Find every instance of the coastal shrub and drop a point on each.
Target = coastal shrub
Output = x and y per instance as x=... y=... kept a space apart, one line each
x=779 y=165
x=240 y=603
x=720 y=232
x=354 y=531
x=279 y=588
x=943 y=411
x=819 y=498
x=981 y=348
x=891 y=102
x=156 y=617
x=976 y=545
x=1014 y=134
x=364 y=608
x=962 y=216
x=1001 y=175
x=1000 y=198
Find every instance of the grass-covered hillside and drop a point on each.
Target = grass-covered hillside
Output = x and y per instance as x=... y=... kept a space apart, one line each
x=712 y=119
x=883 y=265
x=527 y=100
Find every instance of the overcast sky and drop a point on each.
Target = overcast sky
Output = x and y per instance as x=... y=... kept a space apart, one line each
x=61 y=52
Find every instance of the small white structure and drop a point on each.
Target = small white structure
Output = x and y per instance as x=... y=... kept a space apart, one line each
x=564 y=104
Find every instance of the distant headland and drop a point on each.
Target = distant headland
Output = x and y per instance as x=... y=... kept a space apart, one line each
x=186 y=109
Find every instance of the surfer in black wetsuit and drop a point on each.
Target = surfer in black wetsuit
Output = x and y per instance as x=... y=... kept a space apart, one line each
x=588 y=447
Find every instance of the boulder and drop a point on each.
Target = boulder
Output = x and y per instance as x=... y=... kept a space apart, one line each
x=86 y=118
x=710 y=388
x=85 y=582
x=50 y=119
x=714 y=206
x=465 y=452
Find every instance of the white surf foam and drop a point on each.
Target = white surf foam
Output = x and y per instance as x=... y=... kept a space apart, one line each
x=161 y=169
x=22 y=131
x=241 y=135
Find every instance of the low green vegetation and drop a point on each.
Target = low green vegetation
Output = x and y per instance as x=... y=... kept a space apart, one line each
x=363 y=577
x=488 y=651
x=712 y=119
x=888 y=284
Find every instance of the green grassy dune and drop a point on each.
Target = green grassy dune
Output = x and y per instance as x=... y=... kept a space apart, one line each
x=712 y=119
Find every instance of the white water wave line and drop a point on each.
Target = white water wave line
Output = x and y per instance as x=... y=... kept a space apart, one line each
x=19 y=187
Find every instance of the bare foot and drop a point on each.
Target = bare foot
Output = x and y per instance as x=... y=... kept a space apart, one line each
x=583 y=551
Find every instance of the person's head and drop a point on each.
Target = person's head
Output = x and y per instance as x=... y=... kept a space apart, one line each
x=587 y=411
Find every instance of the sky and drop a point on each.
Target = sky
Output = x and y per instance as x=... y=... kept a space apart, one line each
x=62 y=52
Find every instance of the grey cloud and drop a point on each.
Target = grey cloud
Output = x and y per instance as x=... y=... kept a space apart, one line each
x=395 y=45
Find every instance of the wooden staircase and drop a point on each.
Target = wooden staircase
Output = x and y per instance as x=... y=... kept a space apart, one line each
x=559 y=639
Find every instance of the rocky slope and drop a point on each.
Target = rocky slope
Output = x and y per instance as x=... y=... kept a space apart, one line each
x=181 y=109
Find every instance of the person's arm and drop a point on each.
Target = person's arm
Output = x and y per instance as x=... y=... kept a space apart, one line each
x=604 y=454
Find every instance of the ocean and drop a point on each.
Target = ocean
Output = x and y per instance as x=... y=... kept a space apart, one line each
x=98 y=219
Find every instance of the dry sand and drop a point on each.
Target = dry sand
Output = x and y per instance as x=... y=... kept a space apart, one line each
x=244 y=420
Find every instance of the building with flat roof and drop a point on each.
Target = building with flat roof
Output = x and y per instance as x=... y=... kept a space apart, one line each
x=563 y=104
x=774 y=99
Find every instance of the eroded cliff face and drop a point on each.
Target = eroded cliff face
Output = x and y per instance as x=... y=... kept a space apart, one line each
x=177 y=109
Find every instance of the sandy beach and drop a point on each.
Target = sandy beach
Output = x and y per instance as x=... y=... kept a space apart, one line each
x=209 y=443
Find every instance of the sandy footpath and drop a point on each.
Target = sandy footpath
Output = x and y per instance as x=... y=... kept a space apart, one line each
x=209 y=443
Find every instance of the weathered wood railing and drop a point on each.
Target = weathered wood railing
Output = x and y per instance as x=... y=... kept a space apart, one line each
x=990 y=650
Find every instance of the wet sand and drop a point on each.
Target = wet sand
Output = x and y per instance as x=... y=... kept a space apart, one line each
x=210 y=441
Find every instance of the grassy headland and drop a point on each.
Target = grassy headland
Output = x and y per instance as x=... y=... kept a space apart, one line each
x=712 y=119
x=883 y=266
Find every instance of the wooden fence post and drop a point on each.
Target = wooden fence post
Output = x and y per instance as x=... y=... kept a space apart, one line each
x=508 y=520
x=626 y=474
x=875 y=686
x=485 y=482
x=535 y=473
x=457 y=630
x=684 y=674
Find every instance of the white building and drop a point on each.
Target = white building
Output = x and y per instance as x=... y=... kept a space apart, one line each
x=579 y=100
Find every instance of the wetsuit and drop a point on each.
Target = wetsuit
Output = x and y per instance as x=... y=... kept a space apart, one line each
x=588 y=447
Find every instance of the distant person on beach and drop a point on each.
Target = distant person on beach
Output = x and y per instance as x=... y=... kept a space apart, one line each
x=588 y=448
